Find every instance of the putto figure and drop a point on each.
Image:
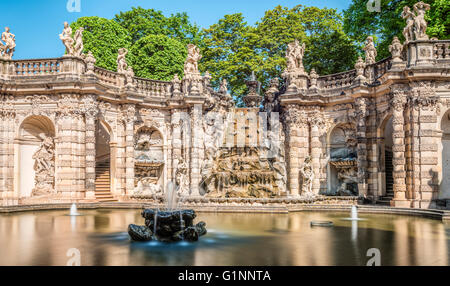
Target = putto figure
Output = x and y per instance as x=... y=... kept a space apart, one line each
x=7 y=49
x=122 y=65
x=294 y=56
x=191 y=64
x=371 y=51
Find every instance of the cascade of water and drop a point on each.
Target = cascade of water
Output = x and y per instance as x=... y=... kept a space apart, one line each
x=171 y=196
x=354 y=213
x=155 y=223
x=73 y=210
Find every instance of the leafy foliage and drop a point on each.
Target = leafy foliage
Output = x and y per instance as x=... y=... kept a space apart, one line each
x=158 y=57
x=141 y=22
x=360 y=23
x=103 y=38
x=232 y=49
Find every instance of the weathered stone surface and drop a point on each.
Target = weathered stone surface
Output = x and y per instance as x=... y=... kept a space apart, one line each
x=139 y=233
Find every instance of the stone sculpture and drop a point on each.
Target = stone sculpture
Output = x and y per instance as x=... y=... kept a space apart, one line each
x=66 y=38
x=191 y=64
x=420 y=24
x=90 y=63
x=224 y=86
x=7 y=49
x=360 y=66
x=79 y=46
x=122 y=65
x=294 y=56
x=416 y=25
x=307 y=173
x=313 y=76
x=408 y=32
x=370 y=50
x=168 y=226
x=44 y=167
x=181 y=178
x=396 y=49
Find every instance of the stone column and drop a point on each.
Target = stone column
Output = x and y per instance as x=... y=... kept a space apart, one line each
x=129 y=131
x=361 y=114
x=90 y=153
x=398 y=103
x=295 y=120
x=176 y=141
x=197 y=147
x=120 y=156
x=316 y=147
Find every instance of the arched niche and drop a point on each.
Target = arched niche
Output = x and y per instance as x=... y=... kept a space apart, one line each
x=385 y=156
x=342 y=166
x=36 y=158
x=149 y=161
x=445 y=157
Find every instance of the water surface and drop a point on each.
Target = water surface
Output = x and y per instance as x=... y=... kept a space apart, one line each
x=44 y=238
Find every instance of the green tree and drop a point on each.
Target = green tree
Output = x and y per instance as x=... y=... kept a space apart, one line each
x=103 y=38
x=158 y=57
x=232 y=49
x=360 y=23
x=141 y=22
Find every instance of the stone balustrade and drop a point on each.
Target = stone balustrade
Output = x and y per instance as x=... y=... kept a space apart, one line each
x=153 y=88
x=336 y=81
x=441 y=50
x=36 y=67
x=106 y=77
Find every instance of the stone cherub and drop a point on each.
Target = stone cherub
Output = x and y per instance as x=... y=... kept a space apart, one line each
x=7 y=49
x=122 y=65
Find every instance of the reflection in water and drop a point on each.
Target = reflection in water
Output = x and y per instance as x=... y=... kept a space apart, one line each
x=43 y=238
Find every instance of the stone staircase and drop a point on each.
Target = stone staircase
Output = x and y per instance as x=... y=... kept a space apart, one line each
x=386 y=200
x=103 y=182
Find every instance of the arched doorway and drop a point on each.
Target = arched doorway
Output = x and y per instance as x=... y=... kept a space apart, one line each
x=36 y=157
x=103 y=160
x=385 y=164
x=445 y=151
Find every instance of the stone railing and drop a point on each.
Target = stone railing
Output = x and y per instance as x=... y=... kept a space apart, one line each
x=107 y=77
x=36 y=67
x=441 y=50
x=153 y=88
x=338 y=80
x=380 y=68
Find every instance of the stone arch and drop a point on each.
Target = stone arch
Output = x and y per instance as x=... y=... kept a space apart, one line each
x=341 y=149
x=385 y=155
x=444 y=158
x=105 y=159
x=35 y=176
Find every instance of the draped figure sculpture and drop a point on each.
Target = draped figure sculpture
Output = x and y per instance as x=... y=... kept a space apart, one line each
x=7 y=49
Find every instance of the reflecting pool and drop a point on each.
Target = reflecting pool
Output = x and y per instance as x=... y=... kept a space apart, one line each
x=49 y=237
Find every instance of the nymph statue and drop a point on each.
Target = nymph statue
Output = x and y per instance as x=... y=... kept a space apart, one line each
x=308 y=176
x=66 y=38
x=79 y=46
x=10 y=44
x=420 y=24
x=122 y=65
x=191 y=64
x=408 y=15
x=371 y=51
x=294 y=56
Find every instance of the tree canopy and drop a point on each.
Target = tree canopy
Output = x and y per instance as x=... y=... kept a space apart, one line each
x=384 y=25
x=103 y=38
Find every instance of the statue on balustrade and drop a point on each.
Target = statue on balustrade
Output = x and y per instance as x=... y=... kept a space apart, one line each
x=44 y=167
x=122 y=65
x=371 y=51
x=408 y=32
x=191 y=64
x=420 y=24
x=79 y=46
x=66 y=38
x=7 y=49
x=294 y=56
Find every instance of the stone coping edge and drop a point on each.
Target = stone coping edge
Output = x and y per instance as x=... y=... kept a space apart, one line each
x=432 y=214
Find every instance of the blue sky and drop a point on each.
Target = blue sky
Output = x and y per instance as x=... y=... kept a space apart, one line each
x=37 y=23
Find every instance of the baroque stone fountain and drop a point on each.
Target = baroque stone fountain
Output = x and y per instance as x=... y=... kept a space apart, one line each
x=170 y=225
